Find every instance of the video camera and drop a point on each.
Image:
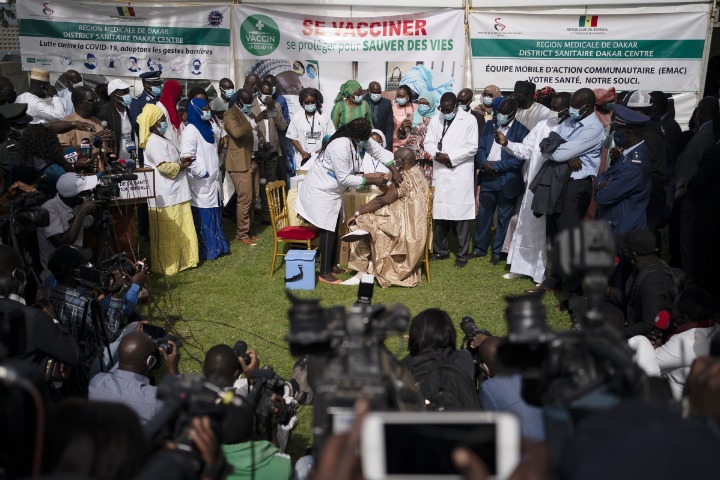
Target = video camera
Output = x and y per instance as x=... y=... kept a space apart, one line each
x=266 y=384
x=108 y=187
x=25 y=212
x=348 y=349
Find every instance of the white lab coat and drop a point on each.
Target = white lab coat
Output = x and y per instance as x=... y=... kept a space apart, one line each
x=527 y=254
x=302 y=129
x=205 y=190
x=454 y=197
x=168 y=191
x=320 y=196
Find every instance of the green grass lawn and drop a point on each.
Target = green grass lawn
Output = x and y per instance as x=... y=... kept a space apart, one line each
x=235 y=298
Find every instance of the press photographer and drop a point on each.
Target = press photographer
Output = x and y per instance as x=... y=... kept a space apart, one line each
x=129 y=383
x=70 y=214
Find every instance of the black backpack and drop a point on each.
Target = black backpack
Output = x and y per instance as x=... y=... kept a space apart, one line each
x=444 y=386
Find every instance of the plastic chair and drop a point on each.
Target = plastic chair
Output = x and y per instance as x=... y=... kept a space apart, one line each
x=282 y=231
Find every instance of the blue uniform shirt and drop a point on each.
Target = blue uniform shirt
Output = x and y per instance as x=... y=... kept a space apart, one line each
x=583 y=139
x=624 y=200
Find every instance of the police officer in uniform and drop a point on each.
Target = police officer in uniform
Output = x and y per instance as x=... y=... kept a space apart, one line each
x=623 y=190
x=152 y=87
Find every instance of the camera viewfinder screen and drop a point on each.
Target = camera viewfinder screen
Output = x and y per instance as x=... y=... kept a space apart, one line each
x=426 y=449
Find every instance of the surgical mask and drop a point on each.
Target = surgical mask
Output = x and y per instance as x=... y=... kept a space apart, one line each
x=465 y=108
x=610 y=106
x=448 y=116
x=206 y=116
x=375 y=97
x=619 y=139
x=246 y=108
x=126 y=99
x=162 y=128
x=264 y=98
x=423 y=109
x=503 y=119
x=401 y=101
x=554 y=116
x=310 y=108
x=229 y=92
x=357 y=99
x=487 y=101
x=574 y=113
x=156 y=90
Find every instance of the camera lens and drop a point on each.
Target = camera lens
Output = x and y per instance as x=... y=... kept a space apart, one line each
x=526 y=315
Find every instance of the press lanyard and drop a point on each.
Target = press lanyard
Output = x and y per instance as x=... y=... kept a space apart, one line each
x=446 y=126
x=312 y=126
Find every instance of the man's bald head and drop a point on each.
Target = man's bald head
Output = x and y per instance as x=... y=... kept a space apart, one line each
x=465 y=96
x=374 y=87
x=221 y=366
x=252 y=82
x=245 y=96
x=488 y=353
x=134 y=350
x=73 y=76
x=406 y=156
x=706 y=110
x=582 y=97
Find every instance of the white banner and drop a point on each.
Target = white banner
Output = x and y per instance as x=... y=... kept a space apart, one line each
x=183 y=42
x=630 y=52
x=382 y=48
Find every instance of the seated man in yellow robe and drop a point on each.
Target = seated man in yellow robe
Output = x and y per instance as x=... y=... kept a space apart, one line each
x=396 y=223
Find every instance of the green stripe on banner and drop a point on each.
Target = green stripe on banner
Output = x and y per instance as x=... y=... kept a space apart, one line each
x=125 y=33
x=593 y=49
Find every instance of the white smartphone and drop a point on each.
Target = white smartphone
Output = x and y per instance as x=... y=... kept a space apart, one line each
x=419 y=445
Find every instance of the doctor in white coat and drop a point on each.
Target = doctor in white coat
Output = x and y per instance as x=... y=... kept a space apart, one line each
x=336 y=169
x=452 y=139
x=527 y=254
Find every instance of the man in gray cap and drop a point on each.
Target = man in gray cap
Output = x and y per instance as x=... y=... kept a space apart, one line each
x=623 y=190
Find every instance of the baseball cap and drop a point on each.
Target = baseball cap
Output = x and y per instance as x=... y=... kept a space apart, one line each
x=639 y=99
x=641 y=242
x=116 y=85
x=70 y=184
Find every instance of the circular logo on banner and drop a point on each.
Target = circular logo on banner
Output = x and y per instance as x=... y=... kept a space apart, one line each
x=259 y=35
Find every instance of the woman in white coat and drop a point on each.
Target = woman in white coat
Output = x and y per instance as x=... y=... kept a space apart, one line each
x=199 y=142
x=337 y=169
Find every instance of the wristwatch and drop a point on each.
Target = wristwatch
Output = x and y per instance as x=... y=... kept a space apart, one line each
x=357 y=213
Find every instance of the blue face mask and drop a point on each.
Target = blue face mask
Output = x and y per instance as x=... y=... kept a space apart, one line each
x=502 y=119
x=574 y=113
x=401 y=101
x=162 y=128
x=610 y=106
x=448 y=116
x=375 y=97
x=156 y=90
x=423 y=109
x=126 y=99
x=357 y=99
x=229 y=92
x=247 y=107
x=310 y=108
x=206 y=116
x=487 y=101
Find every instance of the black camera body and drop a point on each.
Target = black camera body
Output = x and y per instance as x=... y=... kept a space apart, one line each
x=267 y=383
x=25 y=213
x=352 y=362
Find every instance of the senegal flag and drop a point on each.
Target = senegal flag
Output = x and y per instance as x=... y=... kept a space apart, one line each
x=126 y=11
x=588 y=21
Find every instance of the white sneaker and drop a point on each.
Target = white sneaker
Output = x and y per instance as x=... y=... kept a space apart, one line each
x=355 y=235
x=354 y=280
x=512 y=276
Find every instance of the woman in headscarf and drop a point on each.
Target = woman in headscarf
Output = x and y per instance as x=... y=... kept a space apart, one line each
x=169 y=98
x=199 y=142
x=337 y=168
x=490 y=93
x=173 y=241
x=349 y=105
x=416 y=137
x=403 y=111
x=544 y=96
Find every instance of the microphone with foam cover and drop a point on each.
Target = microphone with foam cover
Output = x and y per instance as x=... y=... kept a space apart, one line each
x=662 y=322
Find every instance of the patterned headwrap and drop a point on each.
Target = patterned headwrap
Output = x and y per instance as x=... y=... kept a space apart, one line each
x=347 y=89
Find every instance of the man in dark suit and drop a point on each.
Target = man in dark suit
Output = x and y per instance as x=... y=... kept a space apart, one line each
x=382 y=114
x=117 y=115
x=501 y=180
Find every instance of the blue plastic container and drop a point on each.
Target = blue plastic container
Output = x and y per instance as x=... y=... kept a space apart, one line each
x=300 y=269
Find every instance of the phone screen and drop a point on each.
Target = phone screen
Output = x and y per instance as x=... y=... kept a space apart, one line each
x=426 y=449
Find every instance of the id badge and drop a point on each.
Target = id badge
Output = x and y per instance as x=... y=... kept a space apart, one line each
x=311 y=141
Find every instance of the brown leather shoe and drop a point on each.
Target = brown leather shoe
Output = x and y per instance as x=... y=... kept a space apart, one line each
x=246 y=241
x=254 y=238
